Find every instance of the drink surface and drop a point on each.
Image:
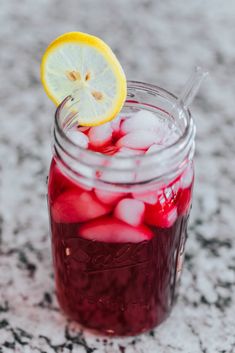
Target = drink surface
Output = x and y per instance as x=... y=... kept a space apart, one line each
x=118 y=255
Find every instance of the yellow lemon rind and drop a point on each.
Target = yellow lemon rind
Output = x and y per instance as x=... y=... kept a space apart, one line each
x=104 y=49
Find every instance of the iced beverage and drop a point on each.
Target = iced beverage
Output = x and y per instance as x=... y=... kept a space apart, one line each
x=118 y=220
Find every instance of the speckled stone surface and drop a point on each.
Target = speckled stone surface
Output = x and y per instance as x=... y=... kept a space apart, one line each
x=157 y=42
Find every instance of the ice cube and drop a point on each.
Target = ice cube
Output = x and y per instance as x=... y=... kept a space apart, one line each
x=171 y=136
x=118 y=176
x=75 y=206
x=125 y=168
x=108 y=197
x=149 y=197
x=130 y=211
x=100 y=135
x=112 y=230
x=120 y=163
x=162 y=131
x=78 y=137
x=142 y=120
x=140 y=140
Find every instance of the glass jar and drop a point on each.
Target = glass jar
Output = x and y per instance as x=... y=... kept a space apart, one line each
x=114 y=277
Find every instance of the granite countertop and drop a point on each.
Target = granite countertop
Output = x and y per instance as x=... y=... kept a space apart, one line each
x=157 y=42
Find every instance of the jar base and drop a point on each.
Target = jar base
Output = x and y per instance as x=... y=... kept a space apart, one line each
x=116 y=333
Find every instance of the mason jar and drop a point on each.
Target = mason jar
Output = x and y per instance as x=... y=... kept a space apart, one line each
x=115 y=277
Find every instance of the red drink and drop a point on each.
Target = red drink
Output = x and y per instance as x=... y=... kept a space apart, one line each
x=118 y=252
x=115 y=286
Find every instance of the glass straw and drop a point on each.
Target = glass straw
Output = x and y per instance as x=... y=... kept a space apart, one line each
x=191 y=87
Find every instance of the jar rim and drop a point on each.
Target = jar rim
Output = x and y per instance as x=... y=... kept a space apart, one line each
x=130 y=84
x=167 y=152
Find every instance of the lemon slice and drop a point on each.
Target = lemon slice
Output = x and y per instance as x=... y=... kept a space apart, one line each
x=83 y=66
